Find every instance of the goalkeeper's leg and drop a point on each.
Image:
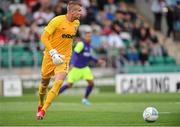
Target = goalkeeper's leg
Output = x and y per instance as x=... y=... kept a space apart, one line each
x=59 y=78
x=73 y=76
x=42 y=91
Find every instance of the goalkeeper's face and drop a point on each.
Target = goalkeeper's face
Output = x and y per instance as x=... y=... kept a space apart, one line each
x=87 y=37
x=76 y=12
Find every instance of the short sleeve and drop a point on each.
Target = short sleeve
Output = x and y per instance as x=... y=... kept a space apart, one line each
x=79 y=47
x=52 y=25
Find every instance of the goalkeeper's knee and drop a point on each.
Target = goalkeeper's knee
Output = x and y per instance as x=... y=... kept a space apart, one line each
x=43 y=86
x=42 y=89
x=56 y=87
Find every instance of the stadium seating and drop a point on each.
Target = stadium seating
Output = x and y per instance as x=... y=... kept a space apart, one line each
x=162 y=60
x=170 y=60
x=151 y=68
x=4 y=61
x=17 y=55
x=39 y=58
x=129 y=30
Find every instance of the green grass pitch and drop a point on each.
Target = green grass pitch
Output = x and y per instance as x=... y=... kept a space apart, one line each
x=107 y=109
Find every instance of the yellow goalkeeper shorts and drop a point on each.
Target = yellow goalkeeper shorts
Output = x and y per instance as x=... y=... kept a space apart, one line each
x=49 y=69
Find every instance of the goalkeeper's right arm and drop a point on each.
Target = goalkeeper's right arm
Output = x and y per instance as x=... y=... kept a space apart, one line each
x=57 y=58
x=45 y=40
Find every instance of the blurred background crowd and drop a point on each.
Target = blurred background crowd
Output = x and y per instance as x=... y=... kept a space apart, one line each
x=121 y=35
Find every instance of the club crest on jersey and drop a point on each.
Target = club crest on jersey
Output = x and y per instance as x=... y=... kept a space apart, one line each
x=75 y=28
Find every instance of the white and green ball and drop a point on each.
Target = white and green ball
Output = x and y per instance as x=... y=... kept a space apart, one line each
x=150 y=114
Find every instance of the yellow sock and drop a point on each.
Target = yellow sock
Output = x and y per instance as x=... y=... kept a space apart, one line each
x=52 y=94
x=42 y=93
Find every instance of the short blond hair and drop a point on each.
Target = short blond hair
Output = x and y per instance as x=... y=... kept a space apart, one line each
x=71 y=4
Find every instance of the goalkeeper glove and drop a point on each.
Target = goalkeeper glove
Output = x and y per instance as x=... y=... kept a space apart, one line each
x=57 y=58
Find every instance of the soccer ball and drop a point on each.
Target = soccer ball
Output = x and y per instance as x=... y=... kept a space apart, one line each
x=150 y=114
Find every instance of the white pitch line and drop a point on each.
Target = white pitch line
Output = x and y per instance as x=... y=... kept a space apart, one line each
x=164 y=112
x=177 y=103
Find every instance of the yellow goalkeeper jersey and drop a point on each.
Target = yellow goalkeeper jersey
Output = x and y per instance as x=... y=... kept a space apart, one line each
x=62 y=34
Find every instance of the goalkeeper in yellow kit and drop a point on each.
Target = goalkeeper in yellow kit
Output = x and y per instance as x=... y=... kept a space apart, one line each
x=57 y=37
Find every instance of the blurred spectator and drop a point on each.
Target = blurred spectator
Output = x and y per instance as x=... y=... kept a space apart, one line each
x=157 y=49
x=36 y=6
x=177 y=15
x=136 y=31
x=86 y=16
x=30 y=3
x=122 y=60
x=20 y=6
x=119 y=32
x=157 y=9
x=5 y=19
x=18 y=19
x=45 y=3
x=40 y=17
x=110 y=6
x=122 y=7
x=23 y=34
x=133 y=56
x=85 y=3
x=1 y=14
x=49 y=14
x=106 y=28
x=133 y=14
x=127 y=22
x=96 y=41
x=3 y=38
x=34 y=32
x=5 y=4
x=144 y=53
x=101 y=4
x=144 y=34
x=11 y=36
x=101 y=16
x=58 y=10
x=127 y=39
x=114 y=43
x=110 y=9
x=116 y=27
x=15 y=32
x=152 y=35
x=29 y=16
x=171 y=2
x=118 y=17
x=93 y=8
x=170 y=20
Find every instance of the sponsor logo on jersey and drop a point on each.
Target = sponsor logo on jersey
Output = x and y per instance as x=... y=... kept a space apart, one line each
x=68 y=36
